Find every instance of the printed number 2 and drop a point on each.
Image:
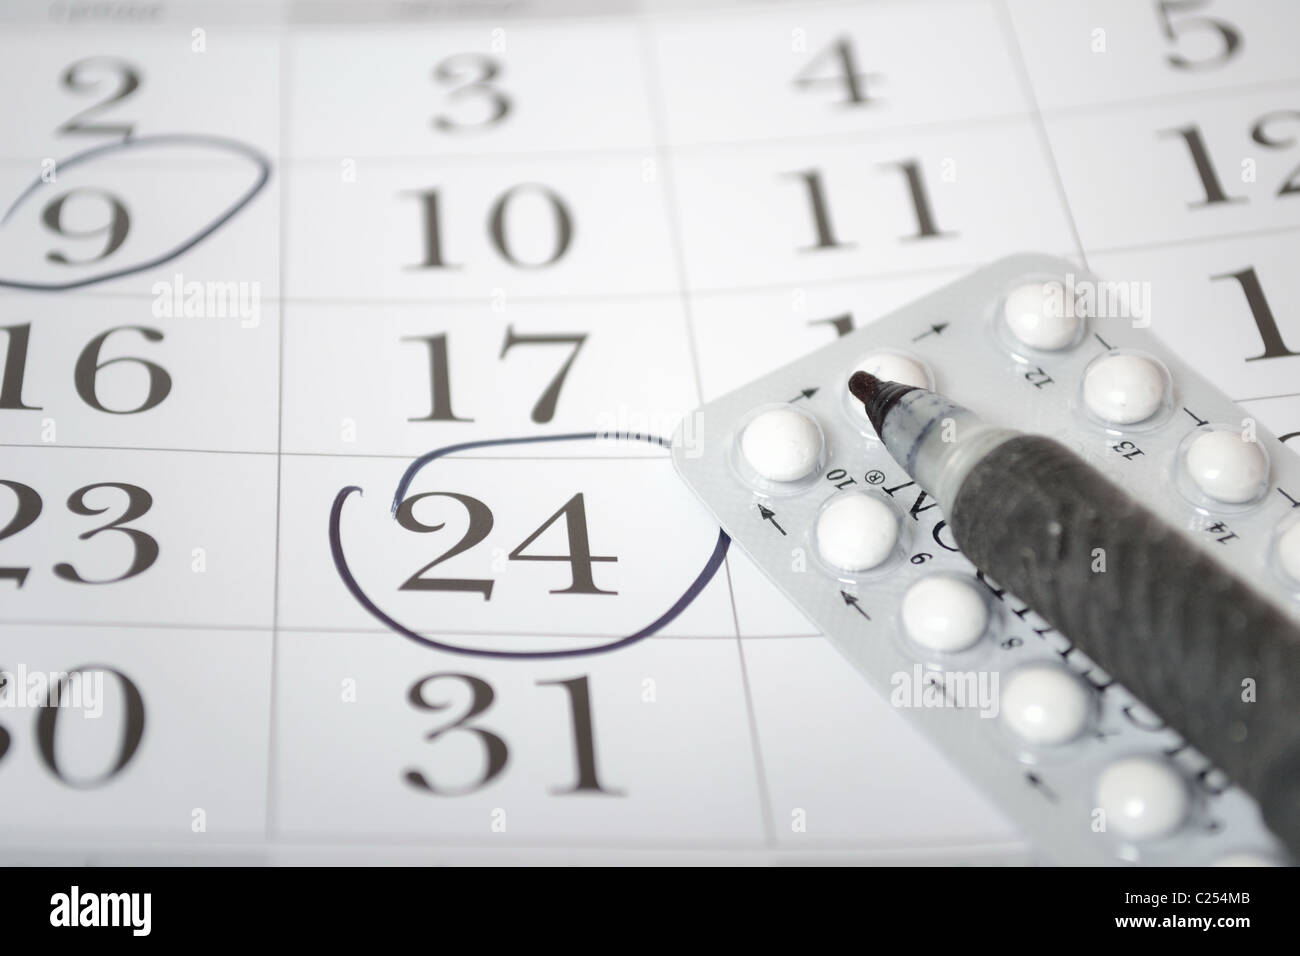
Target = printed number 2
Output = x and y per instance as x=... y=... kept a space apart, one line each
x=76 y=78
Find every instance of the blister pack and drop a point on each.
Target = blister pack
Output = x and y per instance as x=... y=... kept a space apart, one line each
x=794 y=473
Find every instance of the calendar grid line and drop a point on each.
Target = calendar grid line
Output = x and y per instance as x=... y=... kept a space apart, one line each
x=846 y=138
x=371 y=630
x=593 y=297
x=404 y=456
x=633 y=13
x=282 y=72
x=755 y=741
x=705 y=291
x=1110 y=107
x=1217 y=239
x=1265 y=398
x=652 y=81
x=395 y=456
x=1007 y=21
x=712 y=291
x=326 y=840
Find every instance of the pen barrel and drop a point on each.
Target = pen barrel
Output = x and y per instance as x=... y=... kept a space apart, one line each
x=1164 y=618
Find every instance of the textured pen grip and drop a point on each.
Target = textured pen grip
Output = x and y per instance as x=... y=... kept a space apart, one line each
x=1164 y=618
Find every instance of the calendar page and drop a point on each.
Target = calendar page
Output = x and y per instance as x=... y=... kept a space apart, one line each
x=342 y=347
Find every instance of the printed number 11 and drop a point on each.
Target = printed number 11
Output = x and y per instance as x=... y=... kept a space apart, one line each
x=926 y=226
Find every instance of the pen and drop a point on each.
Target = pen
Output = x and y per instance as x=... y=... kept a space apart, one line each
x=1164 y=619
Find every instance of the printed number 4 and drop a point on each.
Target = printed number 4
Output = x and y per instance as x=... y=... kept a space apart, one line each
x=579 y=558
x=844 y=60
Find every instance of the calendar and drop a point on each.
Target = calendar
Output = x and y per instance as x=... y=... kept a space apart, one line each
x=342 y=348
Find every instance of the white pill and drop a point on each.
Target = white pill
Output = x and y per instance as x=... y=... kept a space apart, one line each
x=944 y=613
x=1227 y=467
x=1037 y=315
x=889 y=367
x=1123 y=388
x=1143 y=797
x=892 y=367
x=1045 y=704
x=781 y=444
x=856 y=532
x=1288 y=551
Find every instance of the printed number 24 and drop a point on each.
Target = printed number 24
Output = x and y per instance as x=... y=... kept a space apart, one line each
x=579 y=558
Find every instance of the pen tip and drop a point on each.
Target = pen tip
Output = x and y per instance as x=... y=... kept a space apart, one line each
x=876 y=395
x=864 y=386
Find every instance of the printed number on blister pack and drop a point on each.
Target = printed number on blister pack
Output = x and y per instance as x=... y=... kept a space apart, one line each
x=579 y=558
x=495 y=750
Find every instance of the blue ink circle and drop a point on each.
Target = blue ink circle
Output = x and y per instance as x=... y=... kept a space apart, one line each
x=220 y=142
x=350 y=582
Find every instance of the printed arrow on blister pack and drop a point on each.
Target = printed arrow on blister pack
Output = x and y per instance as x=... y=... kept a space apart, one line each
x=852 y=601
x=1036 y=782
x=769 y=515
x=935 y=329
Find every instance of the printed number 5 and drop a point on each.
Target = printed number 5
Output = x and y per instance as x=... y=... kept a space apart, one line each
x=1186 y=25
